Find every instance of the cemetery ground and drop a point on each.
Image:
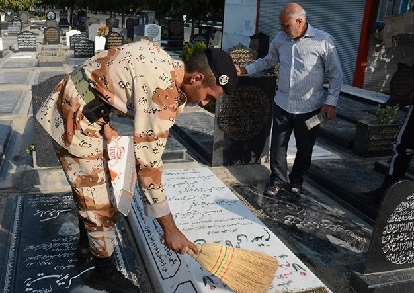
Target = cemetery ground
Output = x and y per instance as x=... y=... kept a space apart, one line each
x=327 y=227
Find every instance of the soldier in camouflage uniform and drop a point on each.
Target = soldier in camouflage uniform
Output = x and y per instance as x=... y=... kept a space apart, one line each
x=142 y=82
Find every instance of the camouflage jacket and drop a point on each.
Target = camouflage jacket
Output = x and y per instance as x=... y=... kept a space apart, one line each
x=142 y=82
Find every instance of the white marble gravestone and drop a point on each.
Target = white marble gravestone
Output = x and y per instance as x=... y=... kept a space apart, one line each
x=206 y=210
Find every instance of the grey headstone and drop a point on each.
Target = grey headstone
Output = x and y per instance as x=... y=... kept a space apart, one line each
x=93 y=31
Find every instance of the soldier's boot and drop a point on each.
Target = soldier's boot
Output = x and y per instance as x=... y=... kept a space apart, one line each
x=83 y=251
x=105 y=276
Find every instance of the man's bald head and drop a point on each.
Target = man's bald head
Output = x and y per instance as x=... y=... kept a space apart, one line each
x=292 y=20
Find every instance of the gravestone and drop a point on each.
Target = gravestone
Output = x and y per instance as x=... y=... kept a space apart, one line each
x=24 y=17
x=93 y=31
x=373 y=139
x=207 y=211
x=14 y=28
x=51 y=36
x=175 y=37
x=130 y=24
x=84 y=48
x=51 y=19
x=199 y=38
x=243 y=121
x=52 y=56
x=63 y=18
x=81 y=22
x=112 y=22
x=114 y=39
x=93 y=20
x=26 y=41
x=148 y=17
x=152 y=31
x=42 y=237
x=9 y=15
x=389 y=265
x=75 y=39
x=242 y=56
x=45 y=156
x=69 y=34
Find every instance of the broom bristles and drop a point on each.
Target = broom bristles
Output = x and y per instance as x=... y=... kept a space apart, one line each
x=244 y=271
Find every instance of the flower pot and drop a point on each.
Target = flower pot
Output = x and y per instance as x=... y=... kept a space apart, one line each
x=373 y=139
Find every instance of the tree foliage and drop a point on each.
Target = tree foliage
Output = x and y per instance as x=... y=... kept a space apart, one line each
x=20 y=5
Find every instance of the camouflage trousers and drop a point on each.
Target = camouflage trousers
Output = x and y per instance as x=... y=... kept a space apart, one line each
x=93 y=195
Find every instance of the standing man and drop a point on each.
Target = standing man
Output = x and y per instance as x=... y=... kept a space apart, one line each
x=139 y=81
x=306 y=56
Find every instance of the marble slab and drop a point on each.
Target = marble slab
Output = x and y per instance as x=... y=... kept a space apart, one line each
x=9 y=100
x=23 y=55
x=206 y=210
x=14 y=78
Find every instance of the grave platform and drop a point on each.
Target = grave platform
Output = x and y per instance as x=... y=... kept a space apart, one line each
x=39 y=238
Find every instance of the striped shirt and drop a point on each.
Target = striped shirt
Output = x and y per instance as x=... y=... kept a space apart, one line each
x=303 y=65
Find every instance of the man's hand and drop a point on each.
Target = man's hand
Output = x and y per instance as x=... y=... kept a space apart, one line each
x=240 y=70
x=174 y=239
x=330 y=111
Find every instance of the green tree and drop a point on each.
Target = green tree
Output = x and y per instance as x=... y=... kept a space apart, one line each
x=19 y=5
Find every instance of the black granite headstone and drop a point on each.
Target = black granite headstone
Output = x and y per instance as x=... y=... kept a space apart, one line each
x=175 y=33
x=130 y=24
x=75 y=39
x=114 y=39
x=112 y=22
x=389 y=266
x=199 y=38
x=373 y=139
x=392 y=242
x=43 y=236
x=45 y=152
x=243 y=121
x=148 y=17
x=63 y=18
x=51 y=36
x=84 y=49
x=26 y=41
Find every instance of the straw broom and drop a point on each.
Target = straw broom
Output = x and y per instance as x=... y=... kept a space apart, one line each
x=244 y=271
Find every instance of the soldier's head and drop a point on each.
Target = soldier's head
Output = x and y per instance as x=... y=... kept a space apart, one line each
x=209 y=75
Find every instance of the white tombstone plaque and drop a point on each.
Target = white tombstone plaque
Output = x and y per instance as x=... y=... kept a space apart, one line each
x=206 y=210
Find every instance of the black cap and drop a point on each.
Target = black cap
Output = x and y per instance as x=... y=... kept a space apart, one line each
x=223 y=68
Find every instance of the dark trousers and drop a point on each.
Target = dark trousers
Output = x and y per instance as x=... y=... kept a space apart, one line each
x=283 y=125
x=403 y=151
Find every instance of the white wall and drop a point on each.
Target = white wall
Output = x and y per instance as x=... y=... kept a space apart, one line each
x=239 y=22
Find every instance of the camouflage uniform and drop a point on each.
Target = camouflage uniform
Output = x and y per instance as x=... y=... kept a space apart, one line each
x=142 y=82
